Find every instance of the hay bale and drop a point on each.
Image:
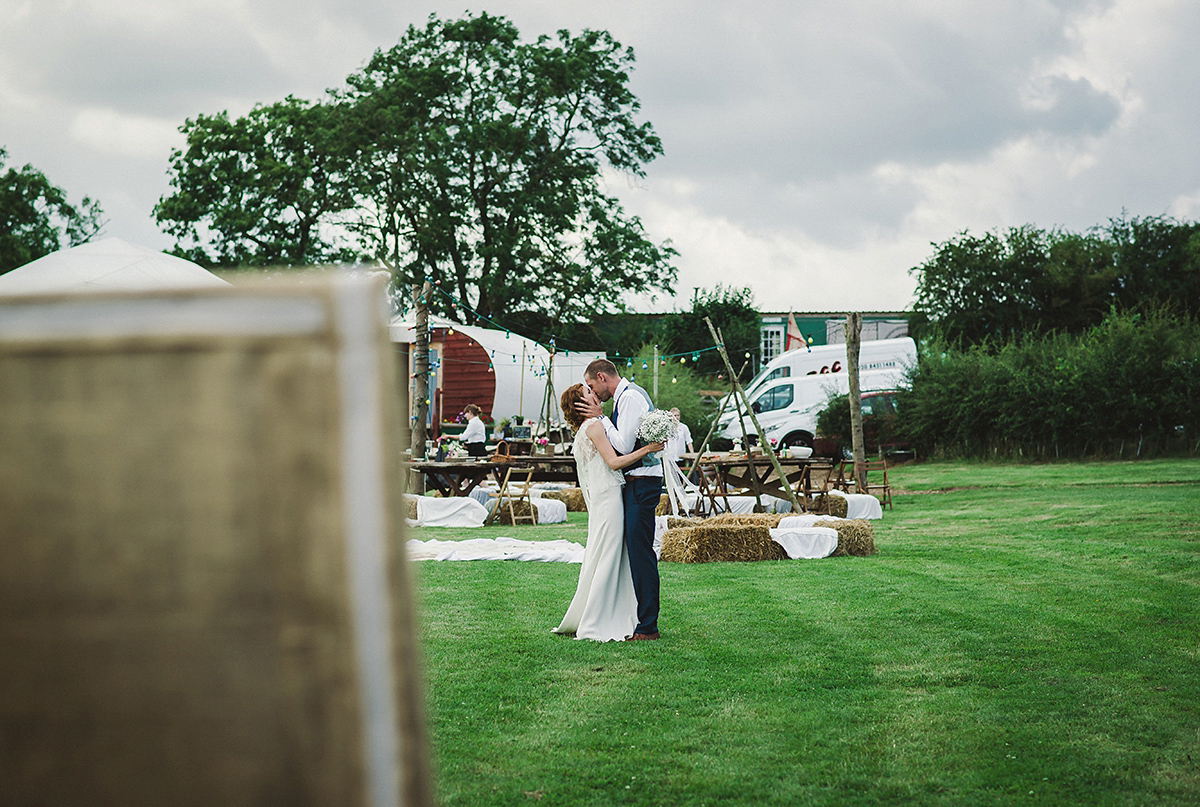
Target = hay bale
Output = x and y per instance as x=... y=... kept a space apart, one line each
x=710 y=543
x=664 y=505
x=827 y=505
x=572 y=496
x=521 y=509
x=856 y=536
x=675 y=544
x=410 y=507
x=674 y=522
x=745 y=519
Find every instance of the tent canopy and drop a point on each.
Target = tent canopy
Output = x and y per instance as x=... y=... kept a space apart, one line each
x=515 y=359
x=106 y=265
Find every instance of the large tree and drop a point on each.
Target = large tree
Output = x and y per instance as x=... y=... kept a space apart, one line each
x=462 y=155
x=36 y=218
x=480 y=163
x=261 y=190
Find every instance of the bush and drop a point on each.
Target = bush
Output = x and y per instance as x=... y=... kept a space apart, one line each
x=1127 y=387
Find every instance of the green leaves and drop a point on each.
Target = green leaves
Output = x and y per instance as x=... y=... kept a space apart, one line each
x=487 y=175
x=36 y=218
x=992 y=288
x=461 y=155
x=260 y=190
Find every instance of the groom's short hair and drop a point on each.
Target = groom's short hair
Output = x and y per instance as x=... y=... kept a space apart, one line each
x=600 y=366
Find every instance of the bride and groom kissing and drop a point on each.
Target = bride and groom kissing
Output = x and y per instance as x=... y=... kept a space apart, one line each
x=617 y=595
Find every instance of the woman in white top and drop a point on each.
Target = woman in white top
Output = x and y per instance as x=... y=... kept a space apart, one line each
x=604 y=607
x=474 y=435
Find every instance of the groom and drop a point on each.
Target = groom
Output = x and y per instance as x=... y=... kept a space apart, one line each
x=643 y=483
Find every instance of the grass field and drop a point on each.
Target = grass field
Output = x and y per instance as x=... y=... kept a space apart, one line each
x=1025 y=635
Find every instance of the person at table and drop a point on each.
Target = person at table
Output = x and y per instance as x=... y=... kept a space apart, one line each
x=474 y=436
x=604 y=607
x=681 y=441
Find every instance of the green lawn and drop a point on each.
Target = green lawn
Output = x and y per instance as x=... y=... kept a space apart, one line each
x=1028 y=635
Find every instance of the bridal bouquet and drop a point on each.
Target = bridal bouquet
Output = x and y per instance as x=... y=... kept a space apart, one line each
x=657 y=426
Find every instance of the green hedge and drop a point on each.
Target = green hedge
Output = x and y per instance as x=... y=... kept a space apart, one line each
x=1128 y=387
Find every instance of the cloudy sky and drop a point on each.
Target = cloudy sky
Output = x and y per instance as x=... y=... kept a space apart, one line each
x=814 y=148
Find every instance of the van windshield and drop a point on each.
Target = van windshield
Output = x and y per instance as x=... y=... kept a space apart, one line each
x=775 y=398
x=763 y=377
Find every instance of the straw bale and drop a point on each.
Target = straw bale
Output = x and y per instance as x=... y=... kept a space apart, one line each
x=675 y=543
x=720 y=542
x=521 y=508
x=745 y=519
x=856 y=536
x=664 y=505
x=674 y=522
x=410 y=507
x=572 y=496
x=827 y=505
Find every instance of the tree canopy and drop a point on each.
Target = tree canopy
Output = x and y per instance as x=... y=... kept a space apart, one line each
x=461 y=155
x=733 y=313
x=36 y=218
x=1029 y=281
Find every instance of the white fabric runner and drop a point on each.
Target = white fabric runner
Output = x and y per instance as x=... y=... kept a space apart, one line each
x=860 y=505
x=562 y=551
x=456 y=511
x=806 y=542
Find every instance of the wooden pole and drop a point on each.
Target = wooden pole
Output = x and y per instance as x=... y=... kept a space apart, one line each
x=420 y=403
x=656 y=372
x=853 y=329
x=713 y=427
x=766 y=444
x=521 y=399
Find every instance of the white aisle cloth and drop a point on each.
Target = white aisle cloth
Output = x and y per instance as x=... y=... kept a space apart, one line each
x=561 y=551
x=604 y=607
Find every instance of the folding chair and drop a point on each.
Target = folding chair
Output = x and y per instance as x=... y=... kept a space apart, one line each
x=818 y=480
x=880 y=489
x=512 y=490
x=711 y=487
x=840 y=480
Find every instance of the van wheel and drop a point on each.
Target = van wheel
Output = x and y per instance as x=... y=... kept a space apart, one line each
x=798 y=439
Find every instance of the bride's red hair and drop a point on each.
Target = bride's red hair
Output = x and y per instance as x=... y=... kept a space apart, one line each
x=572 y=395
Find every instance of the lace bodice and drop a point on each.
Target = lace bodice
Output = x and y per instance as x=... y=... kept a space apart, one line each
x=594 y=473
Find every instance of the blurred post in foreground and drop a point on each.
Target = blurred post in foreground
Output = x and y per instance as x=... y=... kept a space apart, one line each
x=204 y=598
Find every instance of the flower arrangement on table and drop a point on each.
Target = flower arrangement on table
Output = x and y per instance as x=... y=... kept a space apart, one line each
x=451 y=447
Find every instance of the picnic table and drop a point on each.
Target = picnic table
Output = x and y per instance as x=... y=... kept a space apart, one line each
x=460 y=477
x=456 y=477
x=736 y=470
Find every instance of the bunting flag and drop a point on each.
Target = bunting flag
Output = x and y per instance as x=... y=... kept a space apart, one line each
x=795 y=339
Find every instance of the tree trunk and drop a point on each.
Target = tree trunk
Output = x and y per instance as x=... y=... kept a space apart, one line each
x=853 y=332
x=420 y=402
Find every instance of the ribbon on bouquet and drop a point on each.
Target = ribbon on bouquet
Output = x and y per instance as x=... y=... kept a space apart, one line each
x=676 y=485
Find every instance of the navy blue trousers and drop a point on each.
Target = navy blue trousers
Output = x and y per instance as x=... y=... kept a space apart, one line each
x=640 y=496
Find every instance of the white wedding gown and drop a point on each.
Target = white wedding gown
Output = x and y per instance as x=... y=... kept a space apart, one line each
x=604 y=607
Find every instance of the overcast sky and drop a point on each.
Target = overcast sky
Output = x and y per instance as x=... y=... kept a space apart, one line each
x=814 y=150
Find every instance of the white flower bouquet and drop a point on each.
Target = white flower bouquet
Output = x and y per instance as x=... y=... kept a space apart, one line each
x=657 y=426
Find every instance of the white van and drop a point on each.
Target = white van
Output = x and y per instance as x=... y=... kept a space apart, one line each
x=791 y=389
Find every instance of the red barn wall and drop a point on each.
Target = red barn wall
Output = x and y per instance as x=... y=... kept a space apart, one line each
x=465 y=374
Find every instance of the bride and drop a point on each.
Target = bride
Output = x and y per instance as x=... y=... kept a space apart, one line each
x=604 y=607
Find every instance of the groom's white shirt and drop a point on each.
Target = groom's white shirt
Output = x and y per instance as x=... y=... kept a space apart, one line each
x=623 y=433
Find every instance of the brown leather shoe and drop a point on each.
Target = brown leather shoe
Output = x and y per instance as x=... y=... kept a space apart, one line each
x=637 y=637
